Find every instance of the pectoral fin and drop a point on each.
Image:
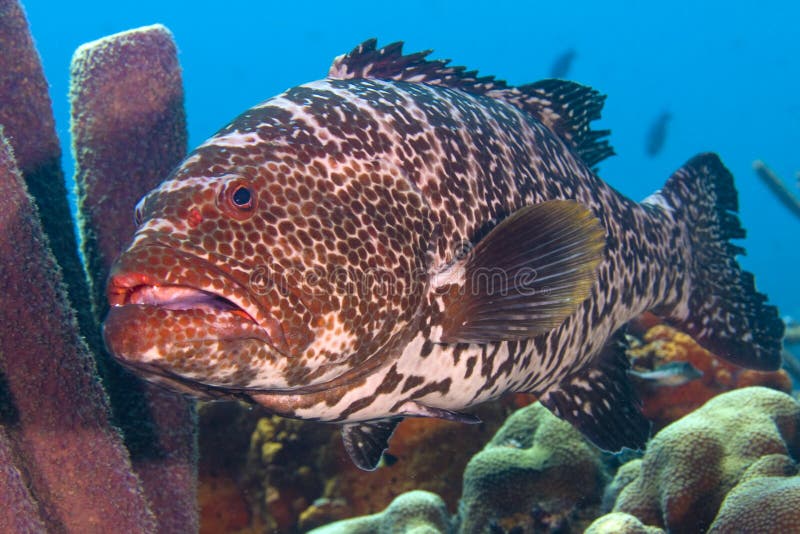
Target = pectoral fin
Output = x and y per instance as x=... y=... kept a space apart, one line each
x=525 y=277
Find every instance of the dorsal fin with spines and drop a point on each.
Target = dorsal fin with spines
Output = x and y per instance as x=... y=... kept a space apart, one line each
x=388 y=63
x=567 y=108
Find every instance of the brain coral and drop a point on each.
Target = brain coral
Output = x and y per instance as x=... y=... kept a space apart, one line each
x=536 y=472
x=415 y=512
x=769 y=505
x=620 y=523
x=766 y=500
x=692 y=464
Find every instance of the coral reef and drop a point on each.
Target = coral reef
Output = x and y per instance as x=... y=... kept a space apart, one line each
x=663 y=344
x=227 y=503
x=415 y=512
x=18 y=513
x=536 y=473
x=25 y=113
x=223 y=506
x=429 y=454
x=710 y=470
x=295 y=475
x=283 y=467
x=691 y=465
x=129 y=131
x=620 y=523
x=298 y=475
x=65 y=466
x=85 y=483
x=762 y=502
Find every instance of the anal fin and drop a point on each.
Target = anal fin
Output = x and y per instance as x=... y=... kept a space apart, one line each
x=601 y=402
x=366 y=442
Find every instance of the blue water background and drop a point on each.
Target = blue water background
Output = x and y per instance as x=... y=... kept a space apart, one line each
x=726 y=70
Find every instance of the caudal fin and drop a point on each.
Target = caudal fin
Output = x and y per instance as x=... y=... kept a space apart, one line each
x=725 y=313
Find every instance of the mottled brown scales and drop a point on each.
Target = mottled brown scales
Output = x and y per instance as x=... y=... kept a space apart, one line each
x=411 y=382
x=336 y=227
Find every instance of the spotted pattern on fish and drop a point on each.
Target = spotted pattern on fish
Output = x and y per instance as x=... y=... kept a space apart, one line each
x=312 y=229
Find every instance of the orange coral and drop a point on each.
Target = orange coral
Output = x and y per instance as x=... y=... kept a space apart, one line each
x=223 y=507
x=664 y=344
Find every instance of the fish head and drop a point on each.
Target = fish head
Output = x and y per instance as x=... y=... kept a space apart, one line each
x=267 y=264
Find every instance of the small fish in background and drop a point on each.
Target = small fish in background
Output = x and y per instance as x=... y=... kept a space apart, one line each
x=563 y=63
x=791 y=364
x=657 y=135
x=792 y=336
x=777 y=187
x=670 y=374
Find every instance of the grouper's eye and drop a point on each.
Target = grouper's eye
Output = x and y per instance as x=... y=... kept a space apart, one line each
x=242 y=197
x=237 y=199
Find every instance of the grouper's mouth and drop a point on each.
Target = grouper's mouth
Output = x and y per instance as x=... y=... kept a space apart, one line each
x=138 y=300
x=173 y=297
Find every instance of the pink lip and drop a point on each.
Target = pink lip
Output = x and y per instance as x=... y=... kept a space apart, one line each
x=136 y=288
x=120 y=286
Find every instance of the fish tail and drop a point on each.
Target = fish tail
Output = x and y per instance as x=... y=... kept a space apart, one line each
x=722 y=311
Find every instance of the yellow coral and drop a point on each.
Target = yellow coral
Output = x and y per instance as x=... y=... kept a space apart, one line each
x=283 y=469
